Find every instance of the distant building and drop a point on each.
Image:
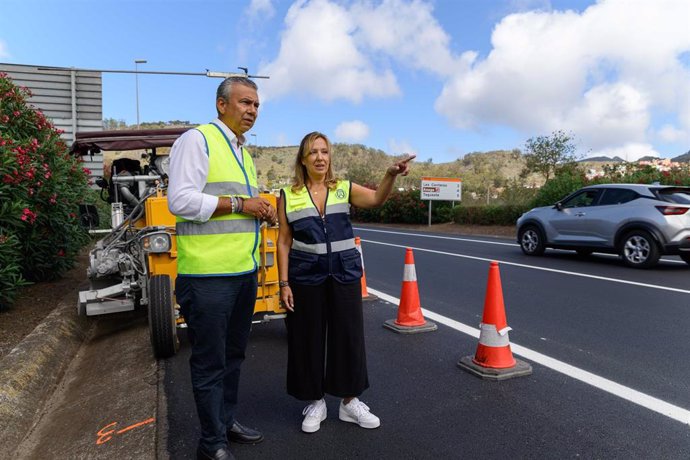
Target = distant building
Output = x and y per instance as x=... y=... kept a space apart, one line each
x=661 y=164
x=72 y=99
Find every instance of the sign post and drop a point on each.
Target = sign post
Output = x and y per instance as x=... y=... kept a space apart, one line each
x=440 y=189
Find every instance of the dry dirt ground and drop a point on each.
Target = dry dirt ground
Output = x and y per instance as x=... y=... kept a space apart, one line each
x=36 y=301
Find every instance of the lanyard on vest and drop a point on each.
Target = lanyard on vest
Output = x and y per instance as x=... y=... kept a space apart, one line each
x=246 y=180
x=234 y=154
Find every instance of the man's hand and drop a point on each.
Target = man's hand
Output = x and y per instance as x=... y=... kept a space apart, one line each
x=261 y=209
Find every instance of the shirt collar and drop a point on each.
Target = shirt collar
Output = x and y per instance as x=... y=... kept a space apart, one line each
x=237 y=141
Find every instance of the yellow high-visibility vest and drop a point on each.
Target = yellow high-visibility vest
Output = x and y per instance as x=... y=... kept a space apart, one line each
x=227 y=244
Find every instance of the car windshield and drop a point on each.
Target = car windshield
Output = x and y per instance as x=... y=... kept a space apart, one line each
x=674 y=195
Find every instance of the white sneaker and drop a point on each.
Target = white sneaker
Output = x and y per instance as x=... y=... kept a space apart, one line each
x=358 y=412
x=314 y=413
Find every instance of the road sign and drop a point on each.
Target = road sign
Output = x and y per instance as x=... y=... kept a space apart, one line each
x=441 y=188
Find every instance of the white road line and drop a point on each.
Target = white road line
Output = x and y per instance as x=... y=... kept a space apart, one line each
x=470 y=240
x=649 y=402
x=533 y=267
x=422 y=235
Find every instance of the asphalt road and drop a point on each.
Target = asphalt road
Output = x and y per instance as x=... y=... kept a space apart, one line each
x=608 y=346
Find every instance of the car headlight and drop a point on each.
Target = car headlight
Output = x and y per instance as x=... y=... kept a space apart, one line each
x=157 y=242
x=162 y=164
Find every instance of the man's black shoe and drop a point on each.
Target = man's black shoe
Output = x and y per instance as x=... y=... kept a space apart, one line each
x=243 y=435
x=221 y=454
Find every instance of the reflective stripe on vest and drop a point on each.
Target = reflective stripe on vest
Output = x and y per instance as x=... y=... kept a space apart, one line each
x=313 y=212
x=229 y=188
x=321 y=248
x=227 y=244
x=215 y=227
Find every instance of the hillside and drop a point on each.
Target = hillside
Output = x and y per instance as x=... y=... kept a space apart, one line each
x=366 y=165
x=480 y=172
x=601 y=160
x=684 y=158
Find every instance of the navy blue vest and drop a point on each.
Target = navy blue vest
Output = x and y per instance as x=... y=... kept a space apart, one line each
x=322 y=246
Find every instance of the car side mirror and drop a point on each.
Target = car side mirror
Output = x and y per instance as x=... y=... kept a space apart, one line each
x=558 y=206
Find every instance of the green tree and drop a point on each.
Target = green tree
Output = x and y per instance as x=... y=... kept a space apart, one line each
x=361 y=173
x=111 y=124
x=546 y=154
x=564 y=183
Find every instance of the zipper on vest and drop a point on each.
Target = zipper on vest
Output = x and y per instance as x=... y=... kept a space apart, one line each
x=328 y=241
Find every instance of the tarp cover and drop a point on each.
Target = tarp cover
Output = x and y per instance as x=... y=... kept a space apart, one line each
x=92 y=141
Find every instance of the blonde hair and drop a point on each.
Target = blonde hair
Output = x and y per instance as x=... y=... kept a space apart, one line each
x=300 y=178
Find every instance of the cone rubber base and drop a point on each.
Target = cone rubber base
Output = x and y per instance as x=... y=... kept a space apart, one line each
x=520 y=369
x=428 y=326
x=369 y=298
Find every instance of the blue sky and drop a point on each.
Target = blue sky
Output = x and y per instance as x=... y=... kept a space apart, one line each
x=440 y=78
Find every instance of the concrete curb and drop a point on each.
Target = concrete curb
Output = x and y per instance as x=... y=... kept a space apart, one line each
x=30 y=373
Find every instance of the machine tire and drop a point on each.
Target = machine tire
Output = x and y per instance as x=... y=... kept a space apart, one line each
x=685 y=256
x=639 y=249
x=531 y=240
x=162 y=325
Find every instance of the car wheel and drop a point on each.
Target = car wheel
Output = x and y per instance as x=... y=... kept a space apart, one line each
x=685 y=256
x=584 y=252
x=531 y=241
x=162 y=325
x=639 y=250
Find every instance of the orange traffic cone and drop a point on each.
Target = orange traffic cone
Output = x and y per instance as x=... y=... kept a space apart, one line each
x=494 y=359
x=410 y=319
x=365 y=292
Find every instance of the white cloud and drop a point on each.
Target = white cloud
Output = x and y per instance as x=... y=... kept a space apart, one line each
x=352 y=131
x=601 y=74
x=609 y=113
x=260 y=9
x=4 y=53
x=337 y=50
x=669 y=133
x=628 y=151
x=399 y=147
x=319 y=57
x=406 y=31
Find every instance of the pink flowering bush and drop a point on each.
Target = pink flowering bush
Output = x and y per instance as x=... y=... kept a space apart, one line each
x=41 y=186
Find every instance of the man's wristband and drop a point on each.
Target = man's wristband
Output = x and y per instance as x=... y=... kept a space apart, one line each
x=240 y=202
x=283 y=284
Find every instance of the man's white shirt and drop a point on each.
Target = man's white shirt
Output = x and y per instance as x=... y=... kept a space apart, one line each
x=188 y=173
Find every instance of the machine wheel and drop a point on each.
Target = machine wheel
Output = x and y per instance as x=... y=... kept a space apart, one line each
x=639 y=250
x=162 y=317
x=531 y=240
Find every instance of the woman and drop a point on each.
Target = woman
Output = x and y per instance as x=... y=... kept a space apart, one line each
x=320 y=270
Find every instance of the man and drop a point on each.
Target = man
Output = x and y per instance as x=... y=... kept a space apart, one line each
x=213 y=193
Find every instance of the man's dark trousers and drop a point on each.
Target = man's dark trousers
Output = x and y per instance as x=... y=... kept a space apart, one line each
x=218 y=311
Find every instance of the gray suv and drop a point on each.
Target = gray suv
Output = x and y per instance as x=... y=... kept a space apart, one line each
x=639 y=222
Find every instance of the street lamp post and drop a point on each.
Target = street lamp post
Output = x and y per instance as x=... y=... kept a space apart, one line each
x=136 y=77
